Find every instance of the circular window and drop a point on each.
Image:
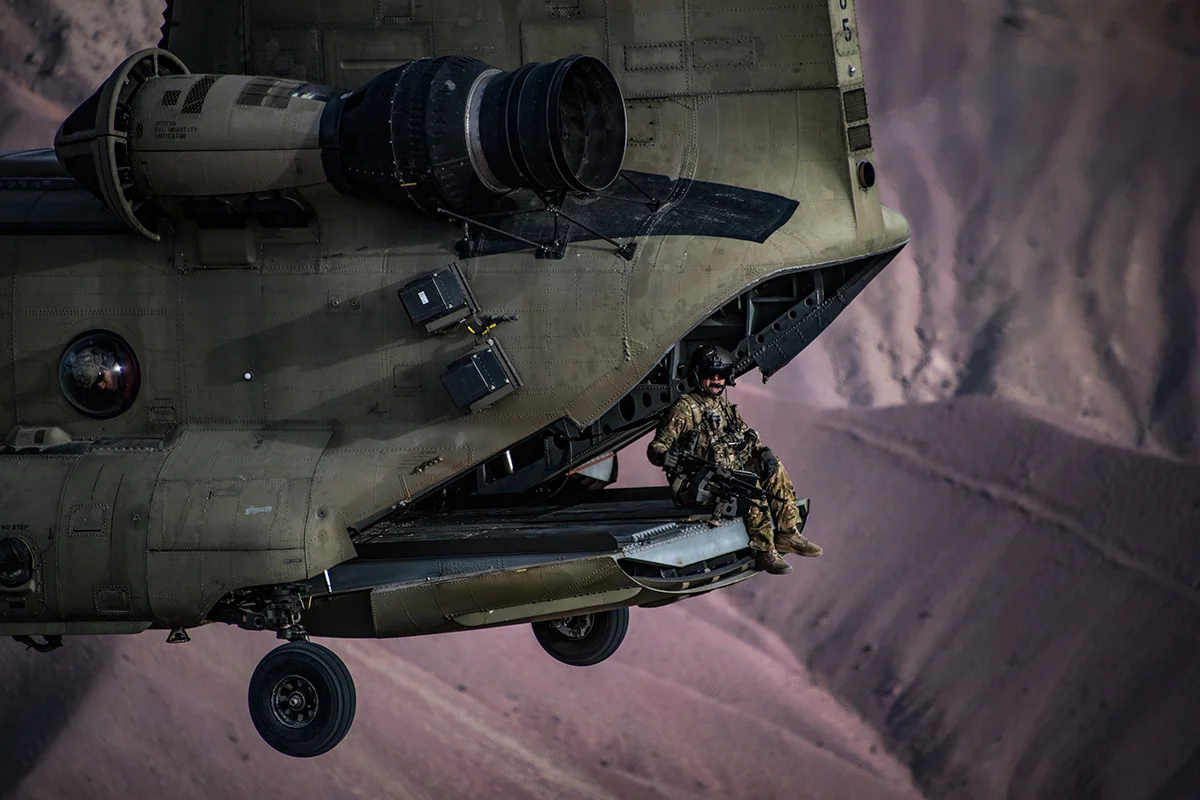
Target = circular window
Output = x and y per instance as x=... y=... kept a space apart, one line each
x=866 y=174
x=99 y=374
x=16 y=563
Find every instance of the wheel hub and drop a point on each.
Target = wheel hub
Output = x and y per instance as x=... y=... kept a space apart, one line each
x=574 y=627
x=294 y=701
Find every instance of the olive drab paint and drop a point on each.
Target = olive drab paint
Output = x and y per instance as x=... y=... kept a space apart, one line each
x=229 y=214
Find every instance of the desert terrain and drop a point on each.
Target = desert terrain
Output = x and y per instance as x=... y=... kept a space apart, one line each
x=701 y=701
x=1035 y=147
x=999 y=438
x=1013 y=605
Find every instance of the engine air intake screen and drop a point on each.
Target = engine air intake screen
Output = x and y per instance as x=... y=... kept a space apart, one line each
x=860 y=138
x=856 y=105
x=480 y=378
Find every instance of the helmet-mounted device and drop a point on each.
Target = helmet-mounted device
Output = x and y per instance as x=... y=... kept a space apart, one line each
x=710 y=361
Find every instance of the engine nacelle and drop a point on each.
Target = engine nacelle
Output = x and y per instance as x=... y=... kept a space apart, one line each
x=453 y=132
x=114 y=535
x=449 y=133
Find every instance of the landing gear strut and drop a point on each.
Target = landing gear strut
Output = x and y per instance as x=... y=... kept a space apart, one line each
x=585 y=639
x=302 y=699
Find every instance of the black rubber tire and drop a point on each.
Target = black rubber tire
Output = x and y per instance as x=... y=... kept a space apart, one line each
x=327 y=678
x=607 y=633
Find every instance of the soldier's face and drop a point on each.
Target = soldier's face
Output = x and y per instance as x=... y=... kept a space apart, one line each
x=714 y=385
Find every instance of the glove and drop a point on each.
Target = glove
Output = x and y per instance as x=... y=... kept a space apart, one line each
x=666 y=460
x=770 y=464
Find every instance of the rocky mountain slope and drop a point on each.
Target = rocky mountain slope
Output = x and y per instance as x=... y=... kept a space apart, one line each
x=1040 y=150
x=1011 y=604
x=54 y=53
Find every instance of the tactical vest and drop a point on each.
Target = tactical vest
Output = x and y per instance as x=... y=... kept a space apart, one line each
x=717 y=432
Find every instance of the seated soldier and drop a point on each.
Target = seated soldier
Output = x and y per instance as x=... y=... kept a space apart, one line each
x=708 y=426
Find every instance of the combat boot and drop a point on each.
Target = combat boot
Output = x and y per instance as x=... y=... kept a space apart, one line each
x=770 y=561
x=792 y=541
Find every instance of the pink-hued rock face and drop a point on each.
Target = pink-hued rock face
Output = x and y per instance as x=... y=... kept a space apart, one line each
x=54 y=54
x=1010 y=603
x=1035 y=148
x=701 y=701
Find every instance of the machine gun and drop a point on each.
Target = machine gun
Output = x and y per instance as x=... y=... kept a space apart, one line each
x=698 y=482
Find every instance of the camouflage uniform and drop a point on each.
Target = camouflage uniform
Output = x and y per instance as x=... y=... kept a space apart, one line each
x=89 y=364
x=711 y=428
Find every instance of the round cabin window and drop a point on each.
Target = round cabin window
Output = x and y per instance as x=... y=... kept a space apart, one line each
x=16 y=563
x=99 y=374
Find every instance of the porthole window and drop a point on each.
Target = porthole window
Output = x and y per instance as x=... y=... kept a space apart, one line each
x=99 y=374
x=16 y=563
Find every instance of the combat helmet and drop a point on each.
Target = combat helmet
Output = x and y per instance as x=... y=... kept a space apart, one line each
x=87 y=367
x=707 y=361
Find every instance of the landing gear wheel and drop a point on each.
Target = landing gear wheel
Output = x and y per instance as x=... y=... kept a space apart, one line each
x=583 y=640
x=302 y=699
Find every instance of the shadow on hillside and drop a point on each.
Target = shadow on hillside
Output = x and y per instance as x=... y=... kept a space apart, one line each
x=39 y=694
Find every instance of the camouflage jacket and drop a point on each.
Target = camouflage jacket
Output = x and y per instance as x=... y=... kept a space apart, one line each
x=707 y=427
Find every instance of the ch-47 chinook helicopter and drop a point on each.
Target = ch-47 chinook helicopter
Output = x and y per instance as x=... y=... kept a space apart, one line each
x=328 y=317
